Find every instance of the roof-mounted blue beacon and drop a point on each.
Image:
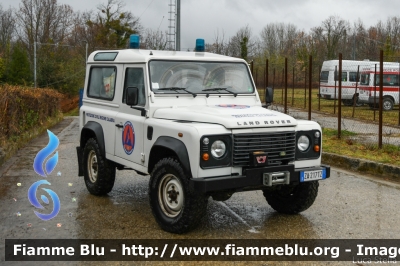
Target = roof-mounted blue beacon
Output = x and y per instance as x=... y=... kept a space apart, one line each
x=134 y=41
x=200 y=46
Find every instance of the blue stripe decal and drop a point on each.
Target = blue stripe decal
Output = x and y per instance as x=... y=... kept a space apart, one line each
x=301 y=176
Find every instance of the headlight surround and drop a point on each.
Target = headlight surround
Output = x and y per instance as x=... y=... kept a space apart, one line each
x=308 y=144
x=218 y=149
x=303 y=143
x=215 y=151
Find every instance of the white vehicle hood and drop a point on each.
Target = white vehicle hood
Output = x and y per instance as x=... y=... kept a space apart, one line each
x=228 y=115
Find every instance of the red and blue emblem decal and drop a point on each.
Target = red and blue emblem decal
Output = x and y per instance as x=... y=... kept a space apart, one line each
x=128 y=138
x=234 y=106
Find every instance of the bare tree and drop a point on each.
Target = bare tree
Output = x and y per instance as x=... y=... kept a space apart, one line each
x=155 y=40
x=333 y=33
x=7 y=28
x=43 y=21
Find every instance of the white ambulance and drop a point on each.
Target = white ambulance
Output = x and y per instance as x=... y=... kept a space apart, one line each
x=194 y=123
x=329 y=85
x=370 y=82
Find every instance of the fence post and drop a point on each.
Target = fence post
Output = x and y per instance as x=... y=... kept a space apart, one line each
x=340 y=99
x=305 y=88
x=334 y=96
x=375 y=94
x=293 y=89
x=398 y=80
x=355 y=93
x=319 y=89
x=309 y=87
x=285 y=85
x=380 y=98
x=256 y=76
x=273 y=80
x=266 y=74
x=282 y=84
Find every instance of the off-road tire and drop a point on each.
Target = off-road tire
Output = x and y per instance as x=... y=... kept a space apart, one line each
x=387 y=104
x=185 y=212
x=292 y=199
x=99 y=173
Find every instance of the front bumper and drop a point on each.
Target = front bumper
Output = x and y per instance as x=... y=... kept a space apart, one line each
x=254 y=179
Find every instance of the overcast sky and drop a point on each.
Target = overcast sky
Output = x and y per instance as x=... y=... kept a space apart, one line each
x=204 y=18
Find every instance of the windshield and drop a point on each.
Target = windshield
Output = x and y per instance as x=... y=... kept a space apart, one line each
x=199 y=77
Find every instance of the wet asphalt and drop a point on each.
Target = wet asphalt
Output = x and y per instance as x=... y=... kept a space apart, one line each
x=348 y=206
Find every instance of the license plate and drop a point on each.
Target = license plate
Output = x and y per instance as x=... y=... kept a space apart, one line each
x=312 y=175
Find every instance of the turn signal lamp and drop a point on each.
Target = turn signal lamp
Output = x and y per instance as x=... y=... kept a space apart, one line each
x=316 y=148
x=134 y=41
x=206 y=156
x=200 y=46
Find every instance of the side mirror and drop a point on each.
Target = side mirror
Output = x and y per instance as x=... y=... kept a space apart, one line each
x=132 y=94
x=269 y=96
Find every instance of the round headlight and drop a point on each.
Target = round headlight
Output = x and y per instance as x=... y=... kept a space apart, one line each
x=303 y=143
x=218 y=149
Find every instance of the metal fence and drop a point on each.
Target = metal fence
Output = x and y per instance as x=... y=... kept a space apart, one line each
x=353 y=97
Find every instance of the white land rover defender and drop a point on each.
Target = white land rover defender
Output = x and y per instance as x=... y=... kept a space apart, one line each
x=194 y=122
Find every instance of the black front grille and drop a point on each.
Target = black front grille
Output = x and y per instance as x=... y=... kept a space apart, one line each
x=280 y=147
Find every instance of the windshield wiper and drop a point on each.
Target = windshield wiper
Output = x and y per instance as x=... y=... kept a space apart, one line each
x=220 y=89
x=178 y=89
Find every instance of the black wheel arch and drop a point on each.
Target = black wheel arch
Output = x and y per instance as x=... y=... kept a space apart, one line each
x=93 y=130
x=166 y=147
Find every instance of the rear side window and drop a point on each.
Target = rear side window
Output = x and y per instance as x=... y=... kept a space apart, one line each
x=102 y=82
x=388 y=80
x=324 y=76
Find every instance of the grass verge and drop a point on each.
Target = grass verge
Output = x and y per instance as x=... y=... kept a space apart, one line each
x=389 y=154
x=73 y=112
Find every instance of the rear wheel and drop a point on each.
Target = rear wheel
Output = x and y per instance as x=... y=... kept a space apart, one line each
x=99 y=173
x=291 y=199
x=387 y=104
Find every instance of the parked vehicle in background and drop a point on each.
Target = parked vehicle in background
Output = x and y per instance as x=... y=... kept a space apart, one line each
x=370 y=82
x=329 y=85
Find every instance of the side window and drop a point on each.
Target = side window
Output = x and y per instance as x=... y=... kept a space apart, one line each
x=344 y=76
x=353 y=76
x=324 y=76
x=102 y=82
x=134 y=77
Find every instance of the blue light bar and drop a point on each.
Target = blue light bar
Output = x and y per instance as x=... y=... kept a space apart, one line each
x=134 y=41
x=200 y=46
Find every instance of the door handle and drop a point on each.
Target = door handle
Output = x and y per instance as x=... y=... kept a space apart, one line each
x=118 y=125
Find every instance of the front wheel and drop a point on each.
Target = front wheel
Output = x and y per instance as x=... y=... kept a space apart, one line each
x=175 y=206
x=99 y=173
x=291 y=199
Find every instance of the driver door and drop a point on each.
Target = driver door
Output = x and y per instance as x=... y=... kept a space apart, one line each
x=129 y=123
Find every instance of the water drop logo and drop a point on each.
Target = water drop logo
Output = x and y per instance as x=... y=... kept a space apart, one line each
x=34 y=201
x=44 y=168
x=39 y=165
